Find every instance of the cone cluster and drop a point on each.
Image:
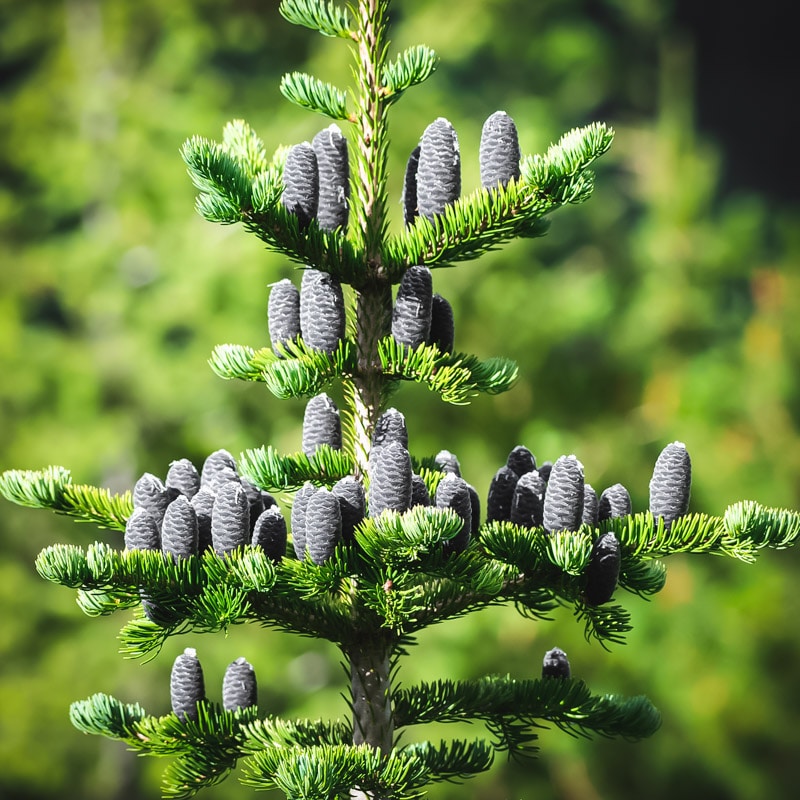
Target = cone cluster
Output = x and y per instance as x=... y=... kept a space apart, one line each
x=192 y=511
x=419 y=316
x=187 y=686
x=556 y=497
x=316 y=180
x=314 y=313
x=433 y=172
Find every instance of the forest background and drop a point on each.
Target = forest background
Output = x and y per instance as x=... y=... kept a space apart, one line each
x=665 y=308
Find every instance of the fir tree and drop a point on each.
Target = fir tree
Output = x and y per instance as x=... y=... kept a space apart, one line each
x=384 y=543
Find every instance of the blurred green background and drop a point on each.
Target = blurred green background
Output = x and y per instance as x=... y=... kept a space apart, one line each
x=665 y=308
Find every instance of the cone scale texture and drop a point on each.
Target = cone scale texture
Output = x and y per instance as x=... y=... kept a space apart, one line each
x=615 y=501
x=184 y=477
x=239 y=687
x=411 y=316
x=499 y=151
x=389 y=471
x=521 y=460
x=179 y=531
x=527 y=504
x=563 y=500
x=230 y=519
x=141 y=531
x=409 y=200
x=323 y=525
x=301 y=183
x=283 y=313
x=439 y=169
x=352 y=504
x=322 y=319
x=299 y=506
x=501 y=495
x=186 y=685
x=321 y=425
x=453 y=492
x=390 y=427
x=670 y=486
x=330 y=148
x=269 y=533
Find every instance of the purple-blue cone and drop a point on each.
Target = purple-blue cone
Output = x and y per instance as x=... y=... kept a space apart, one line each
x=563 y=500
x=389 y=471
x=443 y=327
x=411 y=315
x=555 y=664
x=527 y=504
x=321 y=425
x=602 y=572
x=670 y=486
x=186 y=685
x=323 y=525
x=239 y=687
x=230 y=519
x=499 y=151
x=439 y=169
x=330 y=148
x=453 y=492
x=615 y=501
x=301 y=183
x=501 y=495
x=179 y=531
x=269 y=533
x=283 y=313
x=322 y=317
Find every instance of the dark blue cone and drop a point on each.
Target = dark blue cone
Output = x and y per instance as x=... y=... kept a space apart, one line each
x=453 y=492
x=203 y=504
x=501 y=494
x=215 y=463
x=239 y=687
x=411 y=316
x=389 y=471
x=141 y=531
x=602 y=573
x=283 y=314
x=443 y=328
x=527 y=505
x=615 y=501
x=269 y=533
x=321 y=425
x=420 y=496
x=186 y=685
x=499 y=151
x=555 y=664
x=439 y=170
x=184 y=477
x=563 y=500
x=590 y=506
x=447 y=462
x=179 y=531
x=670 y=486
x=301 y=498
x=323 y=525
x=230 y=519
x=410 y=210
x=390 y=427
x=352 y=504
x=150 y=494
x=521 y=460
x=322 y=317
x=301 y=183
x=330 y=148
